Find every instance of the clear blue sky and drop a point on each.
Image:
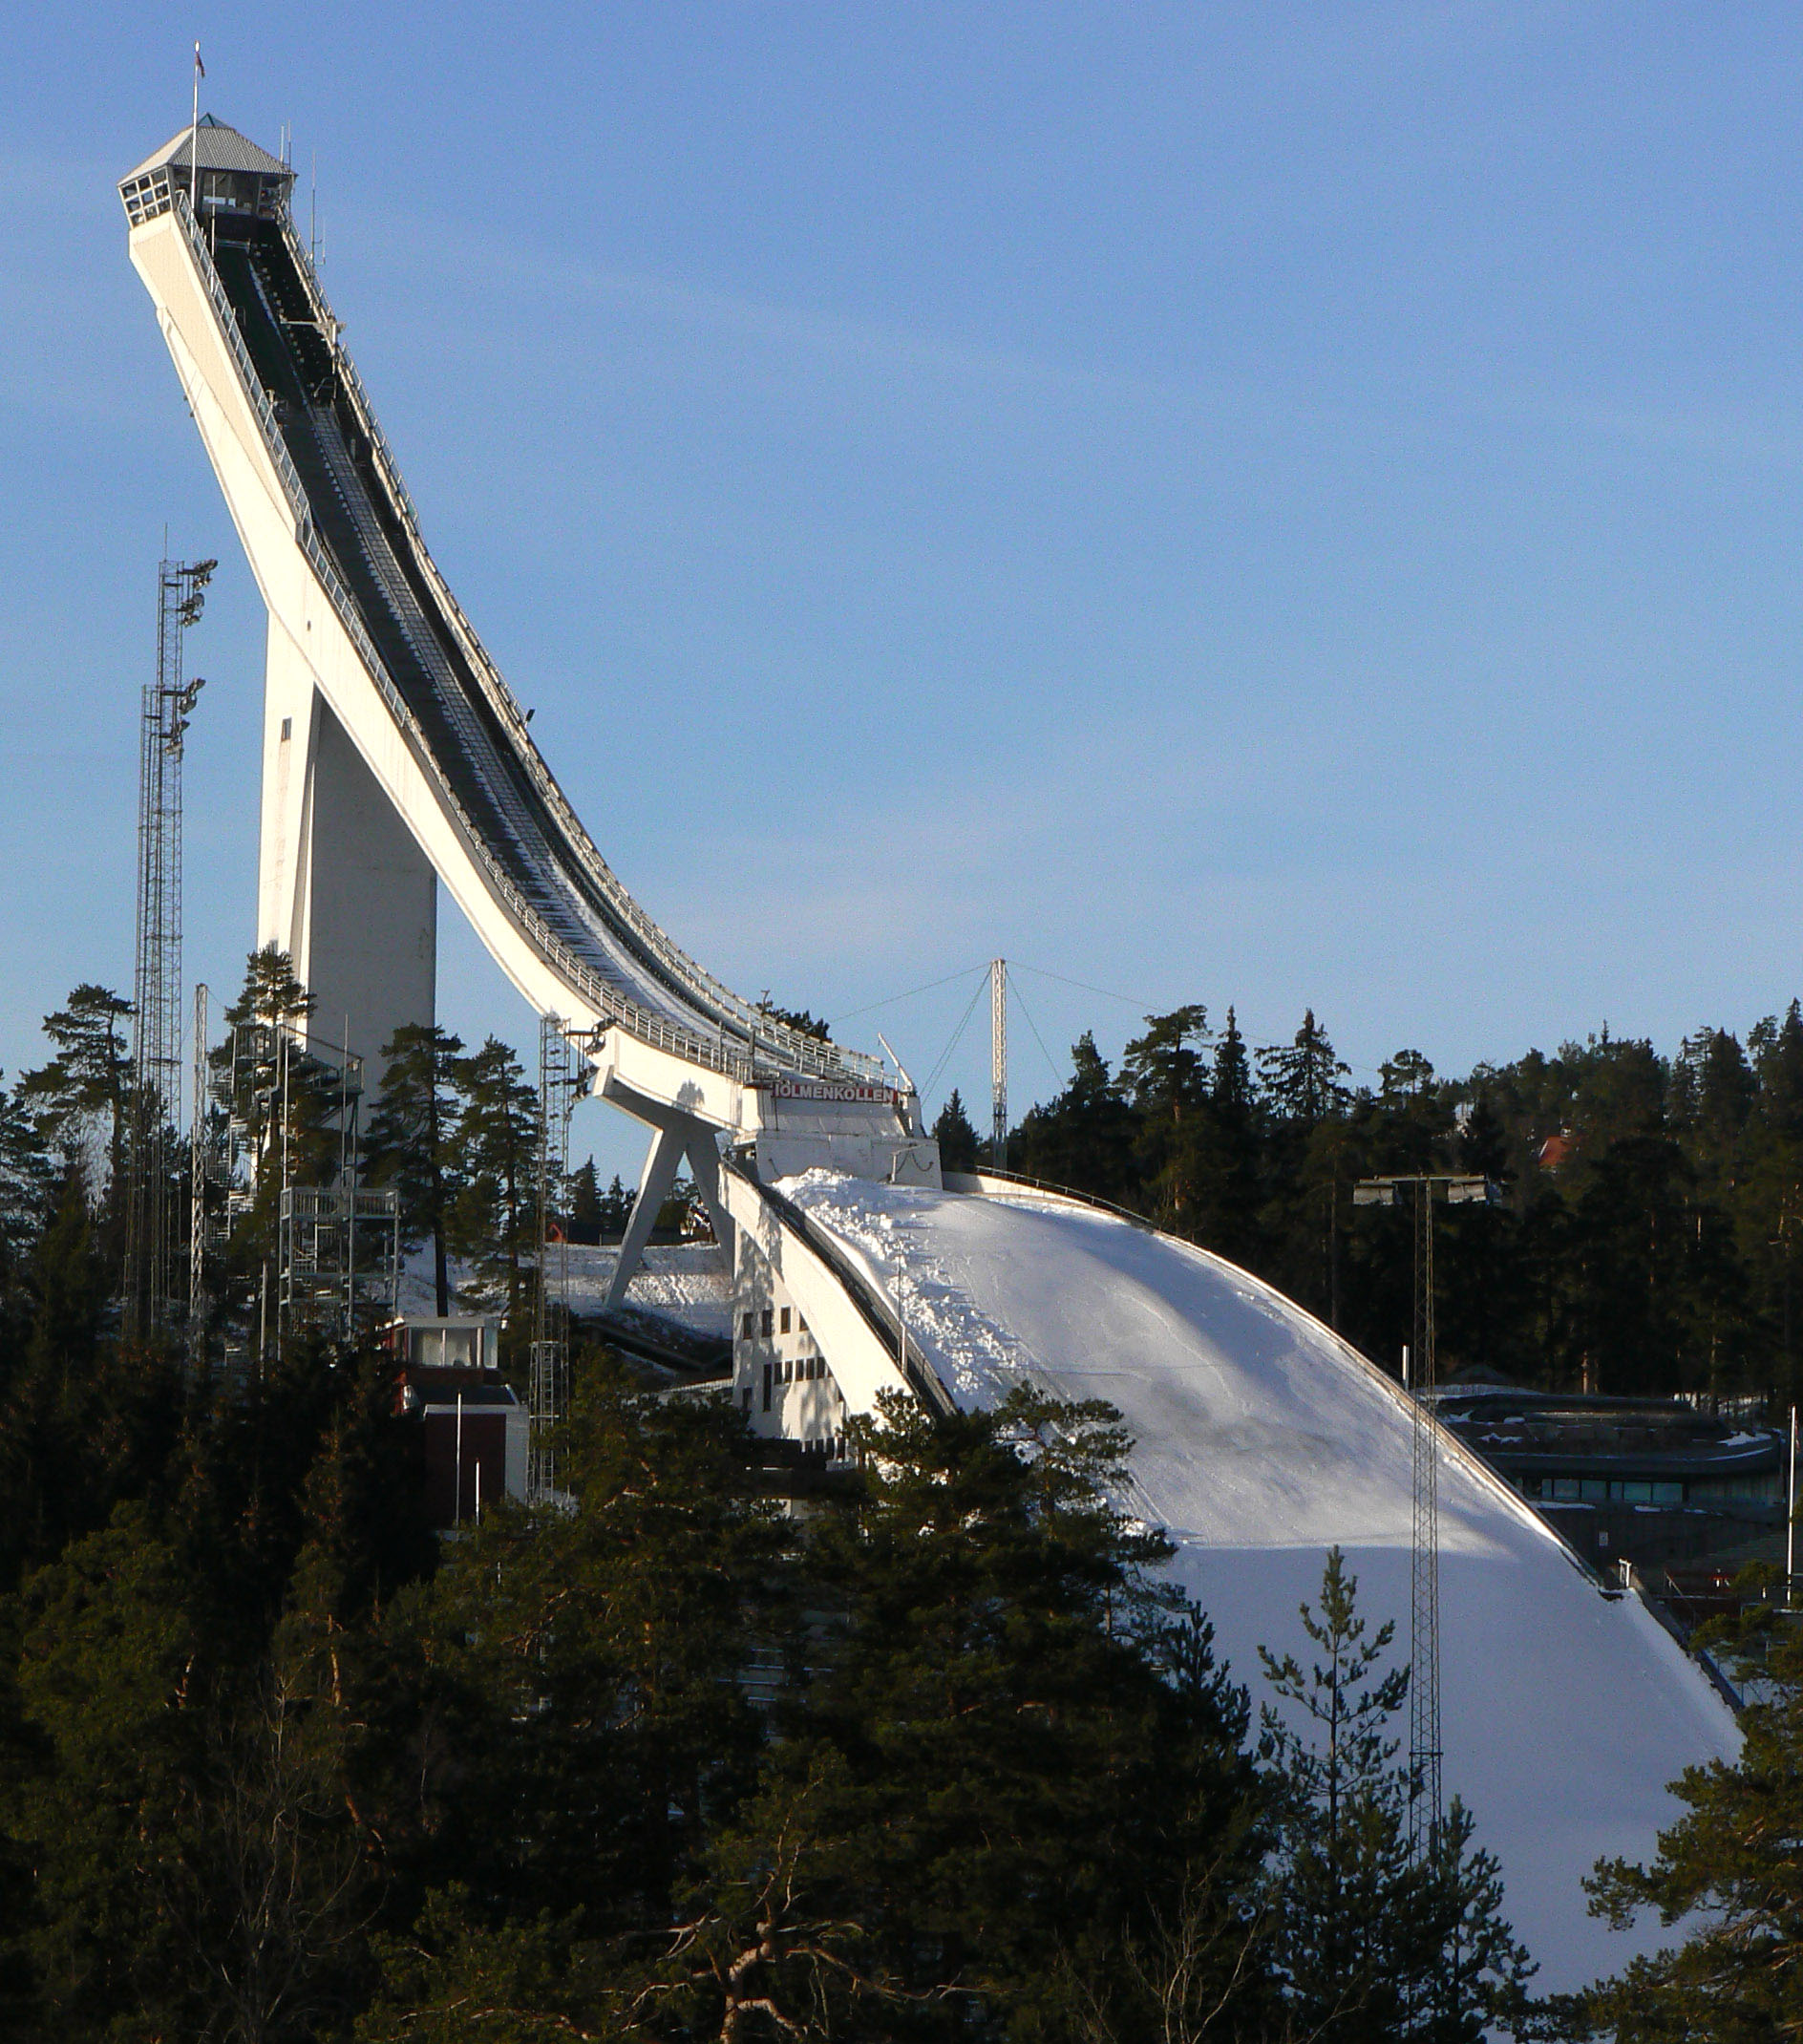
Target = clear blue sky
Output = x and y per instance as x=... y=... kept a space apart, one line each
x=1282 y=504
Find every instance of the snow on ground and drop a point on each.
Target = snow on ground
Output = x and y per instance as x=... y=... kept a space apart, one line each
x=686 y=1282
x=1262 y=1441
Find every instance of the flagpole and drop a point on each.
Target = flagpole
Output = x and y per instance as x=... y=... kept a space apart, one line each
x=194 y=144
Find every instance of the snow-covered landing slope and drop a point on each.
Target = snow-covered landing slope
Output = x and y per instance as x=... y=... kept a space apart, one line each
x=1262 y=1441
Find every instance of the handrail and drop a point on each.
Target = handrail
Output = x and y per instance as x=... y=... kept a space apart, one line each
x=607 y=1002
x=805 y=1052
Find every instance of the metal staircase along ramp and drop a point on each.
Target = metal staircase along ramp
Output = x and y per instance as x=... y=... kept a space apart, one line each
x=361 y=617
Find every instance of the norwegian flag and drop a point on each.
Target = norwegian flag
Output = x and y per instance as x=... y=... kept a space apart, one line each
x=199 y=69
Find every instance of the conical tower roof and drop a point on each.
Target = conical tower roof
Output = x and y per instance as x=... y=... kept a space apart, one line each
x=218 y=147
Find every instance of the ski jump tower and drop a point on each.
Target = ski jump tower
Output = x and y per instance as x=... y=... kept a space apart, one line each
x=397 y=760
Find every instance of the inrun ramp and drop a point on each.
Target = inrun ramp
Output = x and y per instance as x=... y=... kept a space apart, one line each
x=394 y=755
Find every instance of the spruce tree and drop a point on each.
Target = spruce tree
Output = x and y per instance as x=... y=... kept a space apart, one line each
x=493 y=1222
x=1085 y=1138
x=1169 y=1080
x=1375 y=1941
x=1302 y=1078
x=1227 y=1152
x=584 y=1204
x=27 y=1184
x=955 y=1136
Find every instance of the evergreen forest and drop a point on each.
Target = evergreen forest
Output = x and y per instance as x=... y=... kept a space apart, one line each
x=1651 y=1212
x=943 y=1756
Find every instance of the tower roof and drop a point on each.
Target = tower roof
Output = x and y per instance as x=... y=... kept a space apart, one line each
x=218 y=147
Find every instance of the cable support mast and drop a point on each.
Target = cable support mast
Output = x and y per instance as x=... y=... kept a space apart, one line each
x=998 y=1063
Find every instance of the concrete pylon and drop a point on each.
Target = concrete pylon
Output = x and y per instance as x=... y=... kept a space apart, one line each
x=674 y=1137
x=342 y=888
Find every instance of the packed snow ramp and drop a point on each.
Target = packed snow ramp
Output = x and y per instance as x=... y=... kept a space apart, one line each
x=1262 y=1441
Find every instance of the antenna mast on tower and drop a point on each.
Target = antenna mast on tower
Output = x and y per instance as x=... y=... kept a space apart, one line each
x=151 y=1247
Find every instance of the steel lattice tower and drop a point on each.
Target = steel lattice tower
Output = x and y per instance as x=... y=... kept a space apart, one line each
x=1426 y=1807
x=563 y=1079
x=152 y=1245
x=1423 y=1574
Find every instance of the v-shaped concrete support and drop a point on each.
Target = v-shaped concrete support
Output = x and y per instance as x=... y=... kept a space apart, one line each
x=674 y=1137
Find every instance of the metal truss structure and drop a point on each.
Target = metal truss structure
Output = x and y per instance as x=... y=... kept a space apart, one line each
x=564 y=1077
x=152 y=1239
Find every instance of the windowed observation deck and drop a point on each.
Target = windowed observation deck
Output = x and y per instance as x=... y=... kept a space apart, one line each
x=226 y=177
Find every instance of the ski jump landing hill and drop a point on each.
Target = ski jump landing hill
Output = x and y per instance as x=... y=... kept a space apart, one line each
x=395 y=758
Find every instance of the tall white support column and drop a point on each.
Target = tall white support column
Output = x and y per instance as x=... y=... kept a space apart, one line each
x=342 y=886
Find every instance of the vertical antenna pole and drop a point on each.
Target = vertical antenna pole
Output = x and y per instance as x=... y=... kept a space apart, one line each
x=998 y=1063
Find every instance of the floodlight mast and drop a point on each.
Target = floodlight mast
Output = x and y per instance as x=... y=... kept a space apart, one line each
x=151 y=1237
x=1461 y=1188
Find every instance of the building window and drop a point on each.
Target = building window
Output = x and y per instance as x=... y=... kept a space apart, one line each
x=801 y=1323
x=766 y=1387
x=766 y=1326
x=745 y=1327
x=785 y=1319
x=746 y=1401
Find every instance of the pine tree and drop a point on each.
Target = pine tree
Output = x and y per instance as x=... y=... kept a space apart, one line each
x=1730 y=1872
x=1030 y=1748
x=80 y=1100
x=411 y=1142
